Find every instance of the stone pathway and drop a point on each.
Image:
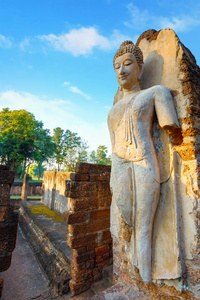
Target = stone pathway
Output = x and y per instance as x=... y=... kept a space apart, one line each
x=24 y=278
x=25 y=281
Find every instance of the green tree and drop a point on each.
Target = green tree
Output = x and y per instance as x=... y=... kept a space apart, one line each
x=93 y=157
x=34 y=171
x=68 y=144
x=100 y=156
x=82 y=152
x=44 y=148
x=59 y=139
x=19 y=136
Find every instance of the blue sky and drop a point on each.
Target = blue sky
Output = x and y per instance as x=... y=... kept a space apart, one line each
x=56 y=55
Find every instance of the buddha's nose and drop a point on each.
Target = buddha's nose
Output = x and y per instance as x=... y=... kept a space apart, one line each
x=121 y=70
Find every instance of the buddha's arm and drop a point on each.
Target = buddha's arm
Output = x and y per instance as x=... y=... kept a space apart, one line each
x=166 y=114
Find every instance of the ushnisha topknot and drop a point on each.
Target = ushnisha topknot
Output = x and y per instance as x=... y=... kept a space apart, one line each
x=129 y=47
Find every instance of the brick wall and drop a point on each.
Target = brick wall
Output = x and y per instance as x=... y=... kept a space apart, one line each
x=88 y=219
x=34 y=189
x=8 y=221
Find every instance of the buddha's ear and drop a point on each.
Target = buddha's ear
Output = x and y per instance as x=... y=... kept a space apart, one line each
x=140 y=74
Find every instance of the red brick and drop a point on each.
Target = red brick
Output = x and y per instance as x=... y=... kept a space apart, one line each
x=80 y=250
x=99 y=169
x=82 y=275
x=109 y=200
x=102 y=250
x=103 y=236
x=102 y=201
x=98 y=259
x=99 y=214
x=82 y=168
x=77 y=288
x=7 y=231
x=89 y=264
x=8 y=244
x=96 y=271
x=83 y=204
x=78 y=267
x=79 y=177
x=103 y=186
x=92 y=254
x=5 y=213
x=106 y=262
x=1 y=286
x=74 y=186
x=74 y=217
x=83 y=228
x=79 y=258
x=106 y=255
x=80 y=241
x=4 y=194
x=91 y=247
x=98 y=277
x=6 y=177
x=99 y=177
x=80 y=194
x=5 y=262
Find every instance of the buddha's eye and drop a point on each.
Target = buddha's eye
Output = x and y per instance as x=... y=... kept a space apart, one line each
x=128 y=62
x=117 y=66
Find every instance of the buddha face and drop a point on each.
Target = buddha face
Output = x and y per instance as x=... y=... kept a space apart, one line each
x=127 y=70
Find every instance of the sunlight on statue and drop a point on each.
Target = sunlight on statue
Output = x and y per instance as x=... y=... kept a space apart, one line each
x=135 y=174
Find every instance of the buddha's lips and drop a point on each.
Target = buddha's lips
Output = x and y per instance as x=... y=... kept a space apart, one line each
x=123 y=77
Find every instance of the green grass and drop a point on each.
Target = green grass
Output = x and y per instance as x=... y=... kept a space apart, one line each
x=29 y=197
x=21 y=180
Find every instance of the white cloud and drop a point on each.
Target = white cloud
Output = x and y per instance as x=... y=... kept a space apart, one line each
x=24 y=44
x=42 y=108
x=140 y=19
x=57 y=113
x=77 y=41
x=66 y=83
x=180 y=24
x=5 y=42
x=75 y=90
x=82 y=41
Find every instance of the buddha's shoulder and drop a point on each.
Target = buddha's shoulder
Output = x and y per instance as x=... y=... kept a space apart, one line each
x=156 y=89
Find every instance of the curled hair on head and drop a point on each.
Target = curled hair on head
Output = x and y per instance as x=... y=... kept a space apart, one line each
x=129 y=47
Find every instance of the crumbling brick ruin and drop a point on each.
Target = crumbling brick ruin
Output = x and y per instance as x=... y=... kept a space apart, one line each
x=88 y=219
x=8 y=221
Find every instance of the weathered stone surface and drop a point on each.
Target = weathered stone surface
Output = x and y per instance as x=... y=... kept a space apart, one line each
x=54 y=190
x=25 y=187
x=169 y=63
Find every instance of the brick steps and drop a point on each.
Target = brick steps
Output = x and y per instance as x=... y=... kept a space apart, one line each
x=46 y=232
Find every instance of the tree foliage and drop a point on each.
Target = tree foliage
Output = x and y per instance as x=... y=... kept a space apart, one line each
x=23 y=140
x=35 y=171
x=69 y=149
x=100 y=156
